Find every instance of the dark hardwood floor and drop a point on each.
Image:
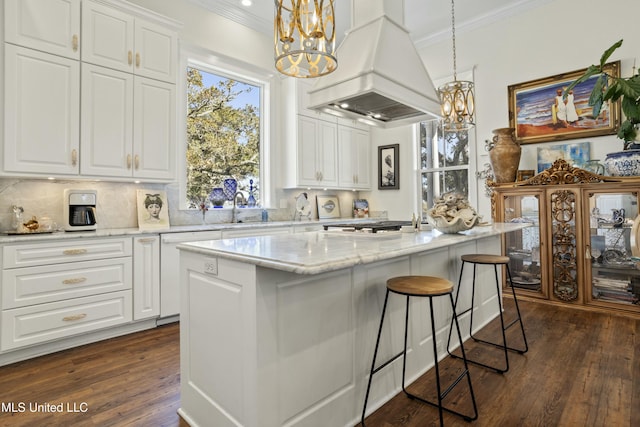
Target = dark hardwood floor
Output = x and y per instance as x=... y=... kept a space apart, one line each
x=582 y=369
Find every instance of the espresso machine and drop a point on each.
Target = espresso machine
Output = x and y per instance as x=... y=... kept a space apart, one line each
x=80 y=209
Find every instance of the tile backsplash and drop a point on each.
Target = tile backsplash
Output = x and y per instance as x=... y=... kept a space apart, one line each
x=116 y=205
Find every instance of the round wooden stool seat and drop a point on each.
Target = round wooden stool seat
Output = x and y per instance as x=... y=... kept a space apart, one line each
x=485 y=259
x=420 y=285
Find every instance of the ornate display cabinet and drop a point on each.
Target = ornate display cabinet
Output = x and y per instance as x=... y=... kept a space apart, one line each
x=582 y=246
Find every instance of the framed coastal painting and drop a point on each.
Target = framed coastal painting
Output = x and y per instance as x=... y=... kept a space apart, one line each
x=388 y=167
x=539 y=111
x=328 y=207
x=153 y=210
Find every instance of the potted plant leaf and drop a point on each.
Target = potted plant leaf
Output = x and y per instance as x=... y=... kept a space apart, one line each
x=611 y=88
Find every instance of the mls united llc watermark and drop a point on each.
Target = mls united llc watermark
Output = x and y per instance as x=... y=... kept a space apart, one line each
x=44 y=407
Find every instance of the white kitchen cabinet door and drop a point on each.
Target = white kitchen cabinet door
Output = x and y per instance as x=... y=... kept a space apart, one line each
x=48 y=25
x=41 y=112
x=107 y=37
x=156 y=51
x=146 y=277
x=354 y=158
x=116 y=39
x=107 y=122
x=317 y=153
x=154 y=129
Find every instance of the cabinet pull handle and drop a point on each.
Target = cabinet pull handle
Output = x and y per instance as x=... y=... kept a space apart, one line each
x=74 y=157
x=74 y=42
x=74 y=317
x=147 y=240
x=136 y=161
x=130 y=57
x=74 y=251
x=128 y=161
x=74 y=281
x=137 y=59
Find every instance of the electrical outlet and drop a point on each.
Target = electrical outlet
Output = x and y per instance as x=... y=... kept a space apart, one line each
x=211 y=266
x=283 y=203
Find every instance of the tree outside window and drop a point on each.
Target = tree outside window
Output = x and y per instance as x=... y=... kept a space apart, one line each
x=444 y=162
x=223 y=135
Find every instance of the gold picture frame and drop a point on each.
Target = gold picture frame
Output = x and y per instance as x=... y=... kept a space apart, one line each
x=537 y=116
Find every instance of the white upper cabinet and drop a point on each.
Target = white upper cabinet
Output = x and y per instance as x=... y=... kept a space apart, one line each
x=154 y=129
x=107 y=122
x=51 y=26
x=322 y=150
x=118 y=40
x=42 y=112
x=118 y=62
x=354 y=158
x=128 y=125
x=317 y=153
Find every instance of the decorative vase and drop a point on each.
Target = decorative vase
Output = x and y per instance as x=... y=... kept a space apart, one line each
x=623 y=163
x=230 y=186
x=251 y=201
x=217 y=197
x=504 y=154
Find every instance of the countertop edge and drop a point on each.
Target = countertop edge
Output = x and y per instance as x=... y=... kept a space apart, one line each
x=441 y=240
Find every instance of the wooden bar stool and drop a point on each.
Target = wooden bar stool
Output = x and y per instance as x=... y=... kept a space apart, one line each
x=422 y=286
x=495 y=260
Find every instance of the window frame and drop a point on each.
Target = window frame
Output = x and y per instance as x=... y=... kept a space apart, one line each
x=203 y=59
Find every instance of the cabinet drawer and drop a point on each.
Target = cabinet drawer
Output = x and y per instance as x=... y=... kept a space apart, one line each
x=37 y=285
x=64 y=251
x=44 y=322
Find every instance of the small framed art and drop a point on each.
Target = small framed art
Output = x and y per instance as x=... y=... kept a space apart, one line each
x=153 y=210
x=360 y=208
x=328 y=207
x=388 y=167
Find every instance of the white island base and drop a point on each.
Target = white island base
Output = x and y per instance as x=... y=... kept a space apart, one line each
x=261 y=346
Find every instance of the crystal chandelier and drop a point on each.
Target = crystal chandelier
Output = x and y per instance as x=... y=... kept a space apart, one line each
x=304 y=37
x=457 y=101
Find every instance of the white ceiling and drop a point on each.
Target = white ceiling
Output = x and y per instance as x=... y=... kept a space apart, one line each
x=428 y=21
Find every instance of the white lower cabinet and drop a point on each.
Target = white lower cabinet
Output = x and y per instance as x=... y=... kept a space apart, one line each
x=39 y=323
x=146 y=277
x=58 y=289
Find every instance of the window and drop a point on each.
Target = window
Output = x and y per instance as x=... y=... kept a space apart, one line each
x=444 y=162
x=225 y=133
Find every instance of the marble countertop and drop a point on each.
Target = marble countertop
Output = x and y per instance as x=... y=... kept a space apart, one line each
x=318 y=252
x=111 y=232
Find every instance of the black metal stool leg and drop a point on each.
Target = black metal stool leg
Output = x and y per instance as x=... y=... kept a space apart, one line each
x=375 y=354
x=455 y=304
x=519 y=318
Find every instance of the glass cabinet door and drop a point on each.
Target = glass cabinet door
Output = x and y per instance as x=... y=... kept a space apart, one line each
x=615 y=277
x=523 y=246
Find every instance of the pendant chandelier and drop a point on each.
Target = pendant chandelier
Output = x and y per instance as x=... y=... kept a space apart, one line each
x=304 y=37
x=457 y=100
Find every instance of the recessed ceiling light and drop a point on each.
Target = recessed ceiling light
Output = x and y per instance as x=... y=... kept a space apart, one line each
x=246 y=3
x=344 y=105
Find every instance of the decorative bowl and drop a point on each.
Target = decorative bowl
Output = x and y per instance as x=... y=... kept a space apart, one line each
x=451 y=225
x=623 y=163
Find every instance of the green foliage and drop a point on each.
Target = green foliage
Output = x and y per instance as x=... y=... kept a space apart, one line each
x=223 y=141
x=626 y=89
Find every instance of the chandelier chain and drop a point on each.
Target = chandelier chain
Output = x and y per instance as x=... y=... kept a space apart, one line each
x=453 y=38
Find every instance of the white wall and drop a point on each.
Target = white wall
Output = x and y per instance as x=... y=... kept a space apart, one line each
x=555 y=37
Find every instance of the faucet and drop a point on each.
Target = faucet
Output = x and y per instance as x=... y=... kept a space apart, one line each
x=243 y=202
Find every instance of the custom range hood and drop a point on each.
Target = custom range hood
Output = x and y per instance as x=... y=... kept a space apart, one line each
x=380 y=80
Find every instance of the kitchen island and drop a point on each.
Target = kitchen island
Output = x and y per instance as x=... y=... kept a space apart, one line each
x=280 y=330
